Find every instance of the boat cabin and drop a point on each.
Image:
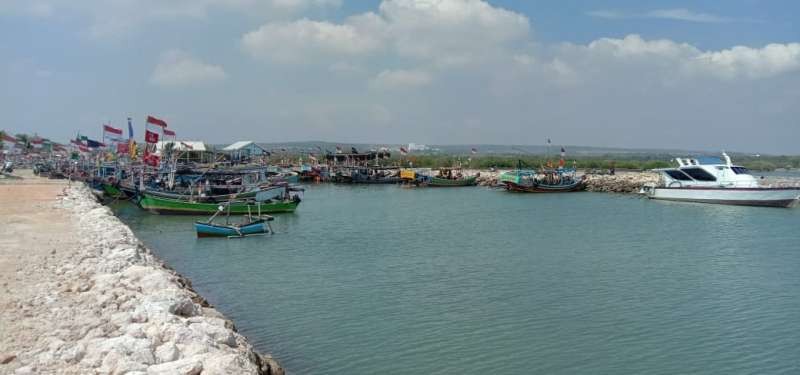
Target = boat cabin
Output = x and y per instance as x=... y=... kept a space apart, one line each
x=707 y=172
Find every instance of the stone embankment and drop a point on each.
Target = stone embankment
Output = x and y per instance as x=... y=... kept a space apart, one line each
x=99 y=302
x=622 y=182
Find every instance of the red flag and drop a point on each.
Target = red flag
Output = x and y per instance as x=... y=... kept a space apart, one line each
x=122 y=148
x=150 y=137
x=168 y=132
x=112 y=130
x=150 y=159
x=156 y=121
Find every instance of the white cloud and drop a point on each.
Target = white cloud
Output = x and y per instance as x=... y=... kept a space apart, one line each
x=686 y=15
x=663 y=56
x=306 y=41
x=444 y=32
x=741 y=61
x=400 y=79
x=112 y=19
x=177 y=68
x=677 y=14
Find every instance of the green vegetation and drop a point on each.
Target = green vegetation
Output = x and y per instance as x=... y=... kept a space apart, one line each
x=618 y=161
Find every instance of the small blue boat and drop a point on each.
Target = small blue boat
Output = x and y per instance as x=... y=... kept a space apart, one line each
x=255 y=227
x=251 y=226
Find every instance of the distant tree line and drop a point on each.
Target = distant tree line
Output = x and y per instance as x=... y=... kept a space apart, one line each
x=602 y=162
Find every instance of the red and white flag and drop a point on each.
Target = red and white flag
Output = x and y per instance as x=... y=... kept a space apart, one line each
x=110 y=130
x=153 y=129
x=156 y=121
x=474 y=151
x=403 y=150
x=111 y=134
x=8 y=141
x=151 y=160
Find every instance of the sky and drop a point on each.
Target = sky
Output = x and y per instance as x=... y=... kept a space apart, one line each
x=702 y=75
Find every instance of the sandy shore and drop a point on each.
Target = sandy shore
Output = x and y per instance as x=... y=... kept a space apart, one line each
x=81 y=295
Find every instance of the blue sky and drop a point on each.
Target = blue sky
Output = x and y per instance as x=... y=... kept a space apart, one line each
x=678 y=74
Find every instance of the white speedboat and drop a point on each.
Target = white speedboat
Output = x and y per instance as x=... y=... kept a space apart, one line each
x=711 y=180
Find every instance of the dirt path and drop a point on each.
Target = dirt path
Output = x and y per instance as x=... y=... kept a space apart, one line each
x=32 y=235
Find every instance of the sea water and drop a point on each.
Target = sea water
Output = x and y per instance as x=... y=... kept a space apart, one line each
x=387 y=280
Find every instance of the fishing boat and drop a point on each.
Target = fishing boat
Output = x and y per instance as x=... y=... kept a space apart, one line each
x=112 y=190
x=452 y=177
x=367 y=175
x=169 y=206
x=711 y=180
x=255 y=227
x=558 y=180
x=249 y=227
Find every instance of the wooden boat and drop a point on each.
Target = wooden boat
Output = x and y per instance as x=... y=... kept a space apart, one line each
x=170 y=206
x=545 y=181
x=250 y=194
x=367 y=175
x=452 y=177
x=255 y=227
x=113 y=191
x=249 y=227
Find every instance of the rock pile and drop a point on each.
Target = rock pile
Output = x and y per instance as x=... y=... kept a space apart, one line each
x=628 y=182
x=111 y=307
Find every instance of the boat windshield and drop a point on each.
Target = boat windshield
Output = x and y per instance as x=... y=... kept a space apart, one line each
x=740 y=170
x=678 y=175
x=699 y=174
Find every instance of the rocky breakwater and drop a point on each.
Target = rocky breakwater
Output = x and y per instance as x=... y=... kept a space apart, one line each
x=624 y=182
x=109 y=306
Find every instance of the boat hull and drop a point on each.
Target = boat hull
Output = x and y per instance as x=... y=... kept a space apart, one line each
x=213 y=230
x=166 y=206
x=540 y=188
x=764 y=197
x=113 y=191
x=443 y=182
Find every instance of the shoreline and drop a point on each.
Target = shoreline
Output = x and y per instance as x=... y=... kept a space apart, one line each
x=82 y=294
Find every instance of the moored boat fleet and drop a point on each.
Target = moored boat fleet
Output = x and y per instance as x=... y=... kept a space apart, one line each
x=172 y=178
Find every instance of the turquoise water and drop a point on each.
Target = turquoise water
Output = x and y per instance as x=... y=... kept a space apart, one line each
x=386 y=280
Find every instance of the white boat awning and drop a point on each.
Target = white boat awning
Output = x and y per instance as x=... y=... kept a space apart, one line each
x=198 y=146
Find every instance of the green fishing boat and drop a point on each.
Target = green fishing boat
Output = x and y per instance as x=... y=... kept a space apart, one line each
x=169 y=206
x=451 y=177
x=113 y=191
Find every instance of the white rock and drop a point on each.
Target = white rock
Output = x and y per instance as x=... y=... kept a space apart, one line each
x=167 y=352
x=229 y=364
x=186 y=366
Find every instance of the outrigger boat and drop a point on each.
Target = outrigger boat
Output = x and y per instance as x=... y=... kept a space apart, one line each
x=451 y=177
x=710 y=180
x=558 y=180
x=249 y=227
x=284 y=203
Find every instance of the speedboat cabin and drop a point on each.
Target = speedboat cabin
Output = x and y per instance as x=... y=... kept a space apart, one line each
x=707 y=172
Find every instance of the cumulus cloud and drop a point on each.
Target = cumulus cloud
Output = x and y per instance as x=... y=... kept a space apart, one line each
x=400 y=79
x=669 y=58
x=306 y=41
x=177 y=68
x=741 y=61
x=444 y=32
